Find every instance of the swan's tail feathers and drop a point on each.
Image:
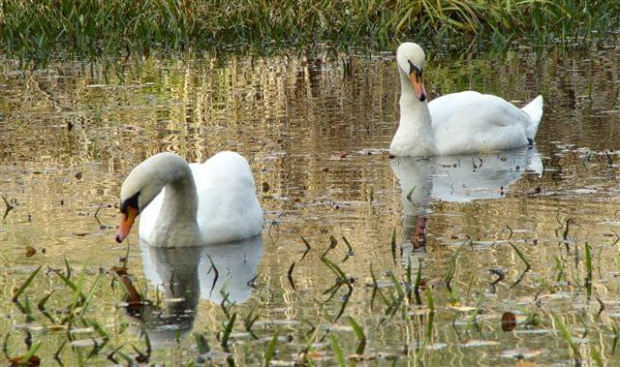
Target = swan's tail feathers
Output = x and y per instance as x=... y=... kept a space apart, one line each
x=534 y=109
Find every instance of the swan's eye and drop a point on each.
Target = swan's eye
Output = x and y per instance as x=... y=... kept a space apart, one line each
x=414 y=69
x=131 y=202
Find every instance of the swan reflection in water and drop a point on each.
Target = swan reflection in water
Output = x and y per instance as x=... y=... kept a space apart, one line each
x=187 y=274
x=456 y=178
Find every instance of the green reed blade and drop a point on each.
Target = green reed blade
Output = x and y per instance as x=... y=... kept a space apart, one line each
x=127 y=359
x=334 y=268
x=337 y=351
x=376 y=289
x=396 y=283
x=588 y=262
x=69 y=283
x=566 y=334
x=418 y=283
x=350 y=251
x=430 y=301
x=23 y=287
x=202 y=344
x=250 y=319
x=596 y=356
x=345 y=303
x=43 y=301
x=452 y=268
x=359 y=333
x=28 y=309
x=89 y=296
x=227 y=331
x=393 y=245
x=271 y=349
x=5 y=346
x=33 y=349
x=67 y=268
x=521 y=255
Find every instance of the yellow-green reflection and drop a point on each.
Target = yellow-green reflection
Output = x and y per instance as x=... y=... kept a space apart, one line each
x=316 y=138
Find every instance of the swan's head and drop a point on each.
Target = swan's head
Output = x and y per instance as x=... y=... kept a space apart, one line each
x=142 y=185
x=410 y=59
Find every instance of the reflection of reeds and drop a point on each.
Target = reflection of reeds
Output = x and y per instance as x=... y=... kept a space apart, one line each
x=287 y=102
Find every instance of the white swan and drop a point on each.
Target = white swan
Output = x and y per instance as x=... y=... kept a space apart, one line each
x=458 y=123
x=184 y=204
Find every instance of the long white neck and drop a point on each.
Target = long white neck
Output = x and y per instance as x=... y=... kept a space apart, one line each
x=177 y=217
x=414 y=136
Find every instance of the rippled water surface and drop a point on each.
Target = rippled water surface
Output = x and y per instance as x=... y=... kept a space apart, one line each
x=315 y=131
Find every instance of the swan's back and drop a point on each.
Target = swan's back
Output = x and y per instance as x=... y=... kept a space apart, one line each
x=228 y=208
x=469 y=122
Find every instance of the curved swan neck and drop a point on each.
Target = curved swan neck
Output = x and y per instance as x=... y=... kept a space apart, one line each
x=414 y=136
x=177 y=216
x=180 y=198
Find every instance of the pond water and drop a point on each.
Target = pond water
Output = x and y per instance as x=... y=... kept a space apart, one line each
x=315 y=131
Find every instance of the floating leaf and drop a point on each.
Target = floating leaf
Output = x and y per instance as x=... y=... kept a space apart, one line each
x=30 y=251
x=509 y=321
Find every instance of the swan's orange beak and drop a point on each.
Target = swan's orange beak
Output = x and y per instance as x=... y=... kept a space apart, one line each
x=126 y=223
x=418 y=85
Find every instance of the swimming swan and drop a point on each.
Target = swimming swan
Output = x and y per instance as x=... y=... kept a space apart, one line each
x=457 y=123
x=183 y=204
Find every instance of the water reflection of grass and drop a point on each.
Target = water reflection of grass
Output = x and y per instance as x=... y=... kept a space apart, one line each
x=71 y=314
x=460 y=323
x=91 y=29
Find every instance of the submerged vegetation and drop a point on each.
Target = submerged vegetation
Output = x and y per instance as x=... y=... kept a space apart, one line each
x=410 y=301
x=91 y=29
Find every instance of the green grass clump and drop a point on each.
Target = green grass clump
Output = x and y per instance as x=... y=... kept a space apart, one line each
x=90 y=29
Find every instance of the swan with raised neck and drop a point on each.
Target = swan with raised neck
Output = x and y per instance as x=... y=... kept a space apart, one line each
x=415 y=128
x=457 y=123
